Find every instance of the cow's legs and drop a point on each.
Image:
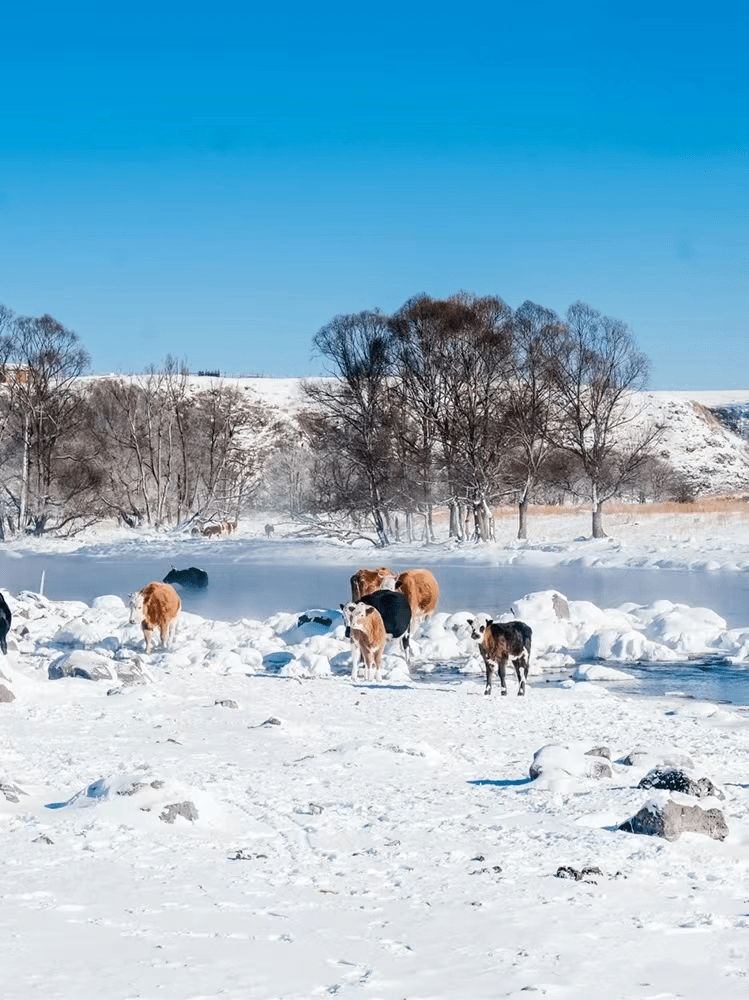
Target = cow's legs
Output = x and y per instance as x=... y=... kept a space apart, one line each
x=502 y=664
x=489 y=674
x=355 y=656
x=147 y=632
x=521 y=669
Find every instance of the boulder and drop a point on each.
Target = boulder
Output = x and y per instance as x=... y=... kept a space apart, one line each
x=670 y=819
x=675 y=780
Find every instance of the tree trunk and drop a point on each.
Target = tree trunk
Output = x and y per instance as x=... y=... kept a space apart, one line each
x=430 y=523
x=598 y=531
x=523 y=518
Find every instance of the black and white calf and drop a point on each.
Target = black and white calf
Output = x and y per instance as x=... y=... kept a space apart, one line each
x=5 y=619
x=395 y=612
x=500 y=642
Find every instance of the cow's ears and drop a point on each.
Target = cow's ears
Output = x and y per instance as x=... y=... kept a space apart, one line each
x=370 y=611
x=341 y=607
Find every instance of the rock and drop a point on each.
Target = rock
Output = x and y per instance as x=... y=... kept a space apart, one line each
x=82 y=663
x=555 y=760
x=671 y=819
x=663 y=757
x=42 y=839
x=11 y=792
x=583 y=875
x=184 y=809
x=6 y=695
x=226 y=703
x=675 y=780
x=599 y=752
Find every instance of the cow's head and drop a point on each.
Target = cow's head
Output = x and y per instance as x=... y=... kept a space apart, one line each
x=353 y=613
x=136 y=608
x=478 y=625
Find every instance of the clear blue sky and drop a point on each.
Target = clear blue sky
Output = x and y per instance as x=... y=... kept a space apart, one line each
x=218 y=180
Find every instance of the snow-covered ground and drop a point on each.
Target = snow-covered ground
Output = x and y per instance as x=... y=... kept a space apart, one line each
x=235 y=818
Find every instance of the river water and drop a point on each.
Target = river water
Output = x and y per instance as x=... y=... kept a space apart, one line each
x=255 y=581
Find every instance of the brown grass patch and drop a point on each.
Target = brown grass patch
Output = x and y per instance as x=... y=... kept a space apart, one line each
x=709 y=505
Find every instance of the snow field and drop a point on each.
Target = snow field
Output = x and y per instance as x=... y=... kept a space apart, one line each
x=348 y=836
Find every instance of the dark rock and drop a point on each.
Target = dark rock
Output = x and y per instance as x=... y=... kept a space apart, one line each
x=5 y=620
x=672 y=819
x=599 y=752
x=583 y=875
x=6 y=695
x=272 y=721
x=42 y=839
x=674 y=780
x=185 y=809
x=226 y=703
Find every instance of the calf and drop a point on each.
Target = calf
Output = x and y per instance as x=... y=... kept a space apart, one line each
x=156 y=606
x=367 y=581
x=366 y=630
x=191 y=579
x=5 y=620
x=422 y=593
x=500 y=642
x=395 y=613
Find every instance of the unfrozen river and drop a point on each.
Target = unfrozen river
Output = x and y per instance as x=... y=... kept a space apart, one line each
x=255 y=580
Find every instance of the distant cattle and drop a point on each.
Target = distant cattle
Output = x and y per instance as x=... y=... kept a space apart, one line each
x=395 y=613
x=422 y=592
x=269 y=531
x=500 y=642
x=5 y=620
x=229 y=527
x=157 y=605
x=212 y=531
x=366 y=630
x=367 y=581
x=191 y=579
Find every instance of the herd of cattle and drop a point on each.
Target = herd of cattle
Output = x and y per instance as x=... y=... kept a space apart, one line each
x=383 y=607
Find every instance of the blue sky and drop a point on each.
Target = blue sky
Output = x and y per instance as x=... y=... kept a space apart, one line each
x=217 y=181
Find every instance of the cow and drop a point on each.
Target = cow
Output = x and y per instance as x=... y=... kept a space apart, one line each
x=212 y=531
x=157 y=605
x=229 y=527
x=191 y=579
x=500 y=642
x=269 y=531
x=395 y=613
x=422 y=592
x=366 y=630
x=5 y=619
x=367 y=581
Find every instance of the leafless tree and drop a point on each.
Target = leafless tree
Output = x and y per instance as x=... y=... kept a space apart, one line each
x=353 y=408
x=531 y=414
x=41 y=361
x=598 y=369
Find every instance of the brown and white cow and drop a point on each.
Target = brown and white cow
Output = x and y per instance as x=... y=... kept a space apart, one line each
x=500 y=642
x=422 y=591
x=212 y=531
x=367 y=581
x=365 y=628
x=157 y=605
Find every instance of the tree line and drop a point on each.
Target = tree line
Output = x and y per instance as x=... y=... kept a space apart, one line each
x=455 y=404
x=464 y=403
x=144 y=449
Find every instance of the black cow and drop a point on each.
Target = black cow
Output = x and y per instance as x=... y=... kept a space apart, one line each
x=191 y=579
x=5 y=619
x=500 y=642
x=395 y=612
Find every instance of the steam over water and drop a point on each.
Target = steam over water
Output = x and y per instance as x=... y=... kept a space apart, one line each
x=256 y=580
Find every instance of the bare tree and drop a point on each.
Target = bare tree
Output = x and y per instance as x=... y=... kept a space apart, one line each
x=530 y=413
x=354 y=405
x=598 y=369
x=42 y=361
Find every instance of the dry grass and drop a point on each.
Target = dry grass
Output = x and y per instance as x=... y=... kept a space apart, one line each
x=710 y=505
